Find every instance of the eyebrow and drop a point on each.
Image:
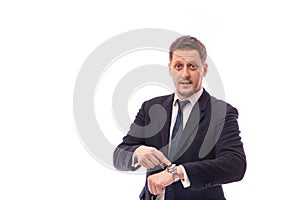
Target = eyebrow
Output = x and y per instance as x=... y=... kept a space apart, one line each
x=192 y=62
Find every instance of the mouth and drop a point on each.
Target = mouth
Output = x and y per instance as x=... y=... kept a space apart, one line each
x=185 y=82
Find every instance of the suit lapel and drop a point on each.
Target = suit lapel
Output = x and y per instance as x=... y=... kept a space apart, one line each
x=165 y=132
x=203 y=100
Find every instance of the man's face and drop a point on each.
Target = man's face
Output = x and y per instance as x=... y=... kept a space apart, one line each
x=187 y=72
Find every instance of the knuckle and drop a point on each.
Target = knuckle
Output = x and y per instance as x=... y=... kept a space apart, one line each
x=152 y=150
x=150 y=178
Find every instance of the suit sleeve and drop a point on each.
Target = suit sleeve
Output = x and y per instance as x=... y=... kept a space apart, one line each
x=229 y=163
x=122 y=157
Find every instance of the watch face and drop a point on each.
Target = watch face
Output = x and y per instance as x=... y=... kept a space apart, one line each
x=172 y=168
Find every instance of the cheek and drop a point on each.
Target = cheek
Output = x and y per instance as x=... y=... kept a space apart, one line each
x=197 y=80
x=174 y=74
x=196 y=77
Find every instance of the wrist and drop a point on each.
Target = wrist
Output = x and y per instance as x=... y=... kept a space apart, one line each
x=172 y=169
x=180 y=172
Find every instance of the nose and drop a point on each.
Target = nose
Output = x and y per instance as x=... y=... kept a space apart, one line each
x=185 y=72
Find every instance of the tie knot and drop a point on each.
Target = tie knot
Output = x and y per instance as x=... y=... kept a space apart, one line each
x=182 y=103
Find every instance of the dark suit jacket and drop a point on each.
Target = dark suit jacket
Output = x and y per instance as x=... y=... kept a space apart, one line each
x=210 y=148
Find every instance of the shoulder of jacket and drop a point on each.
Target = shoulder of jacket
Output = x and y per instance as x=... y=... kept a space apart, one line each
x=159 y=99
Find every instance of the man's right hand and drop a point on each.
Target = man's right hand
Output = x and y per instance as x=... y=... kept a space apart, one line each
x=149 y=157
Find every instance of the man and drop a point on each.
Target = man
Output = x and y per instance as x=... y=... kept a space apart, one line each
x=188 y=141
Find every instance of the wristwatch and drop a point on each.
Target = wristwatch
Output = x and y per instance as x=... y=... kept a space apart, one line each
x=173 y=170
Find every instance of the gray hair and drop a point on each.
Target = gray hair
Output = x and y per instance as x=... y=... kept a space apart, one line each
x=187 y=42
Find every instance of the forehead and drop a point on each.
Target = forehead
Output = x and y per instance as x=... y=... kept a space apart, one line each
x=186 y=55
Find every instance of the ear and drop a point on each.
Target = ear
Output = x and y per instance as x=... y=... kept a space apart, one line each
x=169 y=65
x=205 y=68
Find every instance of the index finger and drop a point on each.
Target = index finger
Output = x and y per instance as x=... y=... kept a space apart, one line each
x=161 y=157
x=166 y=161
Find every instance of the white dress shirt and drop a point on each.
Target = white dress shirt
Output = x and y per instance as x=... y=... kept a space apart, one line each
x=186 y=113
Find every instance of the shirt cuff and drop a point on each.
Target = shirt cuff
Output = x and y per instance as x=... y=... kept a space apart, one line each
x=134 y=164
x=186 y=181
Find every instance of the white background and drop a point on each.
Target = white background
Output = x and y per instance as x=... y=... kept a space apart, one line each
x=254 y=45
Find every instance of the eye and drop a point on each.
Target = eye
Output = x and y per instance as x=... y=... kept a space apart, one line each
x=193 y=67
x=177 y=66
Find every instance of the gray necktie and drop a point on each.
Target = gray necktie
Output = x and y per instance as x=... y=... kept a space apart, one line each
x=176 y=134
x=177 y=129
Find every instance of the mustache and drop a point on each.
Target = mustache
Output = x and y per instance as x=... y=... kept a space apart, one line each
x=185 y=81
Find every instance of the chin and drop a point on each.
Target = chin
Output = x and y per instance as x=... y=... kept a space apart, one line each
x=186 y=93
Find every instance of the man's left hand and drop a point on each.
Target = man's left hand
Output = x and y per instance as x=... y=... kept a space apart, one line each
x=158 y=182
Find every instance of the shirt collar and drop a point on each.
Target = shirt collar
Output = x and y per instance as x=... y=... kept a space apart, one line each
x=192 y=99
